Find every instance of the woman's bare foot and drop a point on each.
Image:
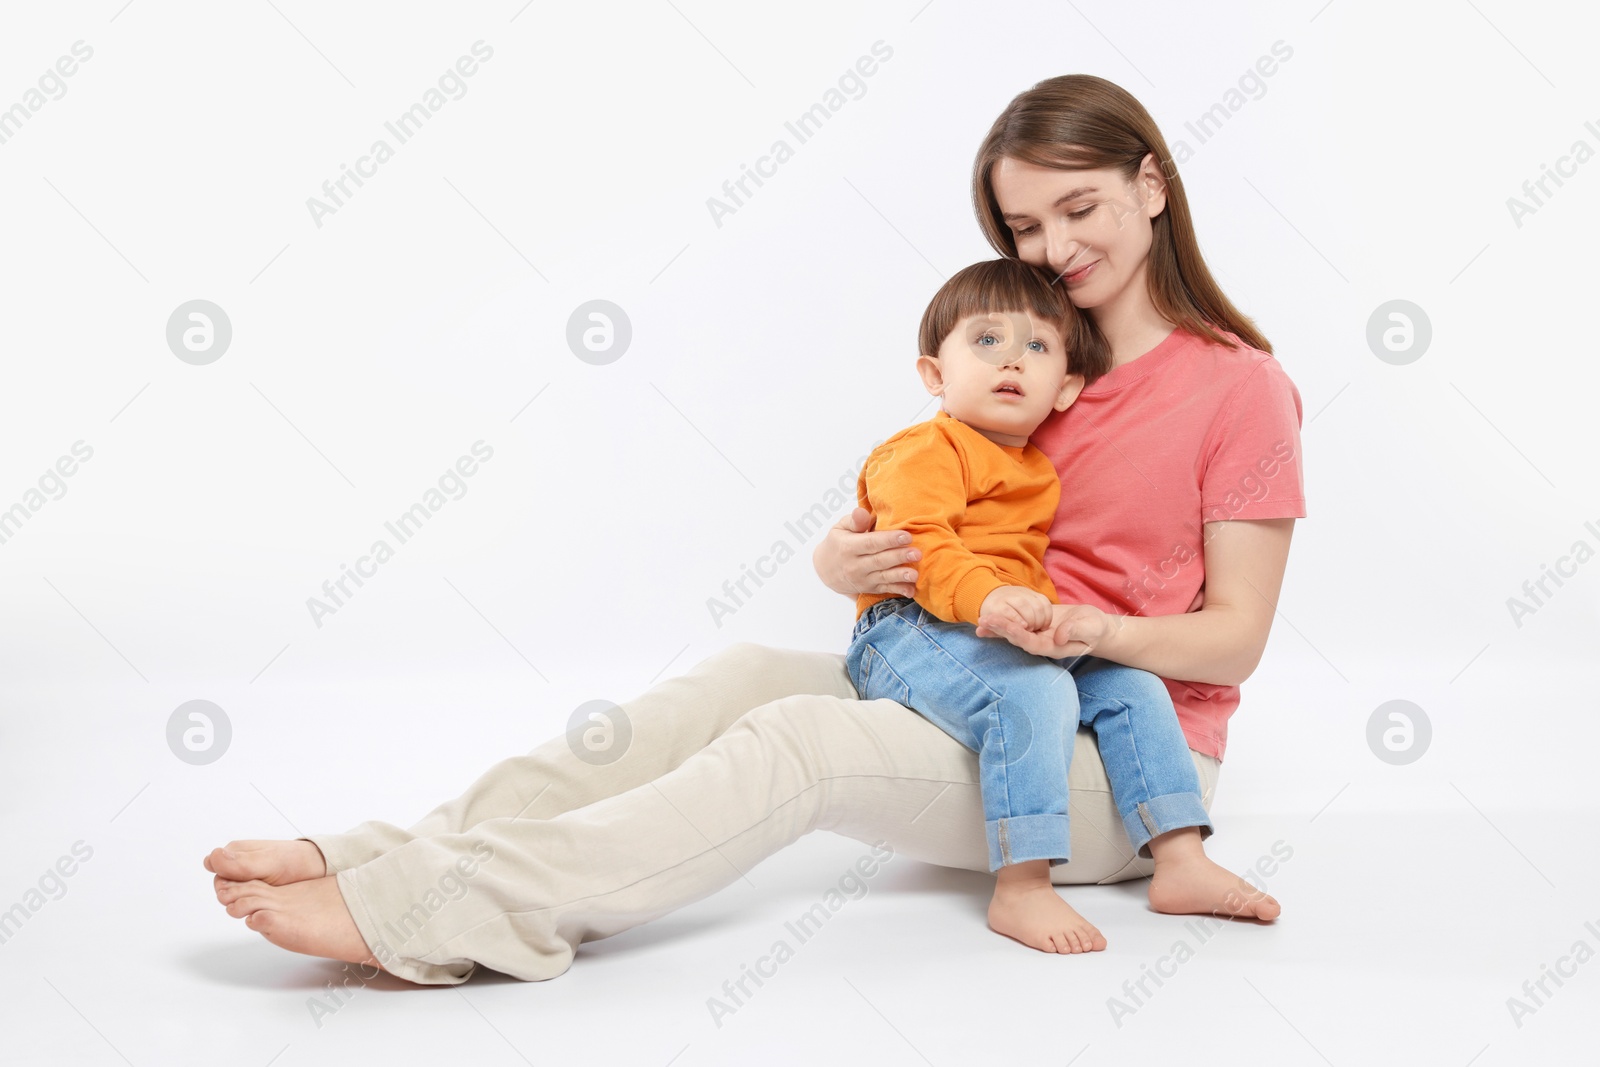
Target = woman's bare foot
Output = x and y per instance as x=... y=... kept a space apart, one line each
x=1186 y=882
x=1026 y=908
x=308 y=916
x=272 y=862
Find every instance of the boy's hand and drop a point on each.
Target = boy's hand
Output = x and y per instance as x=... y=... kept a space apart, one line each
x=1023 y=607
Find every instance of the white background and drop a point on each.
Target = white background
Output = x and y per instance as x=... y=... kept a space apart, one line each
x=768 y=353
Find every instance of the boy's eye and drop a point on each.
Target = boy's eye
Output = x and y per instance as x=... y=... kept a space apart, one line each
x=1035 y=345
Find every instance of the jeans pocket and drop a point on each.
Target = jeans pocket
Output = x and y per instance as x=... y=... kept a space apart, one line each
x=879 y=680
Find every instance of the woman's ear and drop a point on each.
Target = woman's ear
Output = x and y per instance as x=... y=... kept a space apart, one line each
x=932 y=376
x=1152 y=186
x=1070 y=388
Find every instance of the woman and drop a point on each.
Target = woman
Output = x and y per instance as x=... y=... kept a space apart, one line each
x=1180 y=485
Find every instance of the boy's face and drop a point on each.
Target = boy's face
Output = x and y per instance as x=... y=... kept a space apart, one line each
x=1002 y=373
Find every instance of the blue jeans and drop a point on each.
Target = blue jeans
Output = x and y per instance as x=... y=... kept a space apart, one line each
x=1020 y=713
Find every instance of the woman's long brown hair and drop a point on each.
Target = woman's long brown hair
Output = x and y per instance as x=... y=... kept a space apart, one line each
x=1081 y=122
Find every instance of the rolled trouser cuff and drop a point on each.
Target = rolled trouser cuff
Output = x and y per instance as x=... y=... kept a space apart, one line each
x=355 y=847
x=1156 y=816
x=373 y=932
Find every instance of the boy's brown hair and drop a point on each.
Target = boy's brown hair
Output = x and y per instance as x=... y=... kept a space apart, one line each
x=1010 y=285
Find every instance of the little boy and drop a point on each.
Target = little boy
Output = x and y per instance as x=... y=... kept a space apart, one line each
x=979 y=500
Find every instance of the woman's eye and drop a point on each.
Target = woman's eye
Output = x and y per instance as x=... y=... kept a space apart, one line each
x=1026 y=232
x=1081 y=214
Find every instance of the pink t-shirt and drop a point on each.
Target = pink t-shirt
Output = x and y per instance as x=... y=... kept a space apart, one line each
x=1188 y=433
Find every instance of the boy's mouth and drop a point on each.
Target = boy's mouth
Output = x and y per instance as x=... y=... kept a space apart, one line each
x=1008 y=388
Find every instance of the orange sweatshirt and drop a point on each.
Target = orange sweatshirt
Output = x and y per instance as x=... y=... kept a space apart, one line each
x=979 y=511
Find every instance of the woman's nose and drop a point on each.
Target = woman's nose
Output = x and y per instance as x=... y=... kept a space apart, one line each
x=1059 y=249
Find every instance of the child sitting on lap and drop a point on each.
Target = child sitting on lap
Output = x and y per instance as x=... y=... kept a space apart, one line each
x=978 y=500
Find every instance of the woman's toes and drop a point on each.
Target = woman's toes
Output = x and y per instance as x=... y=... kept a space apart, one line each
x=265 y=922
x=243 y=907
x=234 y=863
x=247 y=897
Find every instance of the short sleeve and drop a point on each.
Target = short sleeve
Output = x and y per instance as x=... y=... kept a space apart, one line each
x=1252 y=456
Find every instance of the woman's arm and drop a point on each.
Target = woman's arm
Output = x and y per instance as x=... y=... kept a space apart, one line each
x=850 y=560
x=1219 y=644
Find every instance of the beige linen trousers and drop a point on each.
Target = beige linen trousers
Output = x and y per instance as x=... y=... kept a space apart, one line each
x=728 y=763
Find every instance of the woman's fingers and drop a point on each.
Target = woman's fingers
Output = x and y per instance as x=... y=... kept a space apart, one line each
x=889 y=541
x=859 y=520
x=1002 y=625
x=890 y=570
x=852 y=557
x=1050 y=642
x=893 y=582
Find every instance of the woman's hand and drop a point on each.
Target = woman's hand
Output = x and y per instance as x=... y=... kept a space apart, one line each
x=850 y=560
x=1073 y=630
x=1218 y=641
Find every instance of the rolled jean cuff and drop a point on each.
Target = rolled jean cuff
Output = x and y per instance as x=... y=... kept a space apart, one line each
x=1157 y=815
x=1028 y=837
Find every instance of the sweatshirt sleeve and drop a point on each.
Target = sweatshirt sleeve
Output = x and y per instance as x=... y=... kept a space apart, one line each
x=919 y=483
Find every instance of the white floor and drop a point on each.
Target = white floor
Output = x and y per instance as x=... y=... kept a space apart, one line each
x=1405 y=930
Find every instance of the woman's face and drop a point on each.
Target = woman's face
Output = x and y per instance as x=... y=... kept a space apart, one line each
x=1091 y=228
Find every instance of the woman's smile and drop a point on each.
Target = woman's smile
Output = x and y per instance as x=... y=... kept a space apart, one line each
x=1074 y=277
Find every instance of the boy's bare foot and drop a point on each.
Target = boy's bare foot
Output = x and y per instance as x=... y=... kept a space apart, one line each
x=272 y=862
x=1026 y=908
x=309 y=917
x=1186 y=882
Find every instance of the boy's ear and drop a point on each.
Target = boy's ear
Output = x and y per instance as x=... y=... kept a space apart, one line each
x=932 y=376
x=1070 y=388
